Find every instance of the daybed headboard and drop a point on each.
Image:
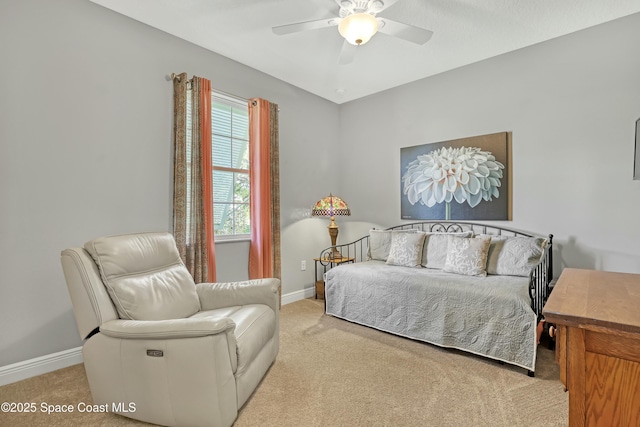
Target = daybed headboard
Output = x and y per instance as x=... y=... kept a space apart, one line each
x=539 y=279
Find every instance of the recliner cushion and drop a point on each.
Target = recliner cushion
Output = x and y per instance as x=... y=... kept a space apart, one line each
x=145 y=276
x=255 y=326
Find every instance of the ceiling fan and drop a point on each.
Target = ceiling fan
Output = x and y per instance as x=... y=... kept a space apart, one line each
x=357 y=23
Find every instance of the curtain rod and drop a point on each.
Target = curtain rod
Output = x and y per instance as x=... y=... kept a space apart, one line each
x=174 y=76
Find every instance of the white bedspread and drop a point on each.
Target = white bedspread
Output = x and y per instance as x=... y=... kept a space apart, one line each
x=490 y=316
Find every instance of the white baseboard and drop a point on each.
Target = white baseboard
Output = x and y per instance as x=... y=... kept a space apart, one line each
x=51 y=362
x=39 y=365
x=298 y=295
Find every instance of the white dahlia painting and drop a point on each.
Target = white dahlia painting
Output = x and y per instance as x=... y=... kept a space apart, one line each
x=439 y=181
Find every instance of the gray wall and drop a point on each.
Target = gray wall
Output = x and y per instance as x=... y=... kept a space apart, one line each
x=85 y=150
x=571 y=104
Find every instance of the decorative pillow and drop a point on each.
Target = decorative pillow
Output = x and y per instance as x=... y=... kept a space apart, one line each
x=434 y=253
x=406 y=249
x=467 y=255
x=145 y=276
x=380 y=243
x=514 y=255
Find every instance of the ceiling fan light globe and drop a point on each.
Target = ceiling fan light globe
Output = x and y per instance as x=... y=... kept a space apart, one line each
x=358 y=28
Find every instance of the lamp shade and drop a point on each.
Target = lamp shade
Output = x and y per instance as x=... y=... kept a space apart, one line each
x=331 y=206
x=358 y=28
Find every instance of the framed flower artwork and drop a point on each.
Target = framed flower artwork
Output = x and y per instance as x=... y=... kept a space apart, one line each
x=462 y=179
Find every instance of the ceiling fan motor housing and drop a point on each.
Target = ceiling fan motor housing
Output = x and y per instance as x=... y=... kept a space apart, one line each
x=349 y=7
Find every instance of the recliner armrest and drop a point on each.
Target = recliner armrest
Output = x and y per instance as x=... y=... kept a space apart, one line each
x=175 y=329
x=258 y=291
x=167 y=329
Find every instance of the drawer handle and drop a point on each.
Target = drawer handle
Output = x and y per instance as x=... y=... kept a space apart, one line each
x=552 y=331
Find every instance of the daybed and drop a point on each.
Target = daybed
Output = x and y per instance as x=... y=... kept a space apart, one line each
x=468 y=286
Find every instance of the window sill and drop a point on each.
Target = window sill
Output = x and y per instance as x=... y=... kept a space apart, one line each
x=231 y=239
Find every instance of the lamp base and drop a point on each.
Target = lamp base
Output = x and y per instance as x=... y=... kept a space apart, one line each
x=333 y=234
x=335 y=254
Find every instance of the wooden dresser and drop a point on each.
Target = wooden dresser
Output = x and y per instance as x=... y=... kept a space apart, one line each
x=597 y=318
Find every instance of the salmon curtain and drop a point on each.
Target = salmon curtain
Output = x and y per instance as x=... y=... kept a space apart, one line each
x=192 y=177
x=264 y=177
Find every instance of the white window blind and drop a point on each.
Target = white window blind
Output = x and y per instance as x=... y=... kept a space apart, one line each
x=230 y=164
x=230 y=152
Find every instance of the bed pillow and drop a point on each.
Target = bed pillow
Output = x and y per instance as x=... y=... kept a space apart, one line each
x=467 y=255
x=406 y=249
x=514 y=255
x=380 y=243
x=434 y=253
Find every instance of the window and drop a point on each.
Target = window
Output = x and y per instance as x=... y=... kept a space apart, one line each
x=230 y=153
x=230 y=158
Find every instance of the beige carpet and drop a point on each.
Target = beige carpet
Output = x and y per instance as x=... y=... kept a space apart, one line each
x=334 y=373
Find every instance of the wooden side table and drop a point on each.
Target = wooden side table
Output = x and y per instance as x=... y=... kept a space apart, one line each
x=326 y=264
x=597 y=315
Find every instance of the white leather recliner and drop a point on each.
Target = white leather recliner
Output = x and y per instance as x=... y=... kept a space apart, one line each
x=158 y=347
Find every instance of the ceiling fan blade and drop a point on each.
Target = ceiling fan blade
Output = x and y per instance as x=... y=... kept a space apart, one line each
x=405 y=31
x=347 y=53
x=304 y=26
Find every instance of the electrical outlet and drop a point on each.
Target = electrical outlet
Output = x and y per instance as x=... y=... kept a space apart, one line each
x=303 y=265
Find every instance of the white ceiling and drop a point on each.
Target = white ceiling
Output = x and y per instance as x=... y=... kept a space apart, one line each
x=465 y=31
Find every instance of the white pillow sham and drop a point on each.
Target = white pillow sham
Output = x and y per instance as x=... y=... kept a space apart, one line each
x=434 y=253
x=467 y=255
x=406 y=249
x=514 y=255
x=380 y=243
